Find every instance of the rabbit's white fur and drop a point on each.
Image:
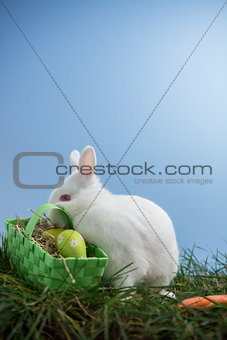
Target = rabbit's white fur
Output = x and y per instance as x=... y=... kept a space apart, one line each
x=115 y=224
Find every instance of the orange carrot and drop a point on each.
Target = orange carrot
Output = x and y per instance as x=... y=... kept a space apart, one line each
x=200 y=301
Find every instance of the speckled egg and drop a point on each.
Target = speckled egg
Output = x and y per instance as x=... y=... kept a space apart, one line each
x=71 y=244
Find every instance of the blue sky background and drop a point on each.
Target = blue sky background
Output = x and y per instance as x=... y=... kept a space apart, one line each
x=114 y=60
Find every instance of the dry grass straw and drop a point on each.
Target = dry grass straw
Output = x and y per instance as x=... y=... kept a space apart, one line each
x=47 y=244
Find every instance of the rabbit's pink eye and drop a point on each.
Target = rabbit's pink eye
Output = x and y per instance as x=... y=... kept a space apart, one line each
x=65 y=197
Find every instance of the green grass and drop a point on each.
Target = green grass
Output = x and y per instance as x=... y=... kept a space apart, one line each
x=102 y=312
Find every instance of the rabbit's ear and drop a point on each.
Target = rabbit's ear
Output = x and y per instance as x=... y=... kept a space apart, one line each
x=74 y=160
x=87 y=161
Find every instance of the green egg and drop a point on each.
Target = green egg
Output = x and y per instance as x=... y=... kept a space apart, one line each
x=71 y=244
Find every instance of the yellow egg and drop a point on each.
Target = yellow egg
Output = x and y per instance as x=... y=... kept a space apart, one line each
x=71 y=244
x=52 y=233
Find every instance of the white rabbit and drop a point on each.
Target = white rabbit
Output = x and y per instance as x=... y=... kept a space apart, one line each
x=116 y=224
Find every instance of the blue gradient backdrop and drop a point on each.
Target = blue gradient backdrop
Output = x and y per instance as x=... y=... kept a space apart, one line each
x=114 y=60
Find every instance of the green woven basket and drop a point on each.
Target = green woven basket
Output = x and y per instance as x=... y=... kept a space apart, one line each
x=37 y=265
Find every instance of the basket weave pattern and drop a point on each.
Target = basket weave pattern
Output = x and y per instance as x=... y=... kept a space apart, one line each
x=36 y=264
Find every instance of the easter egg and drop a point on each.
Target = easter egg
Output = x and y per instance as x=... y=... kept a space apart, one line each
x=71 y=244
x=52 y=233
